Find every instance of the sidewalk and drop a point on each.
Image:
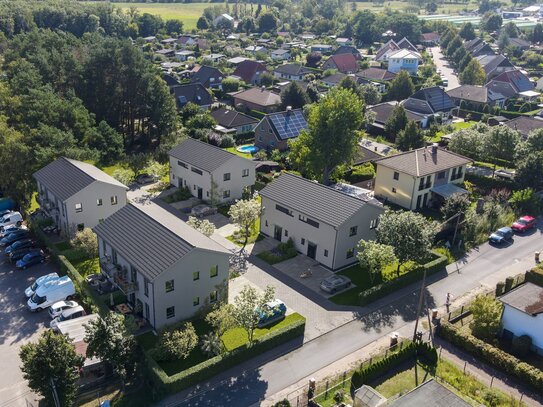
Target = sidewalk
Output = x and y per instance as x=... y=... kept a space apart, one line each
x=487 y=374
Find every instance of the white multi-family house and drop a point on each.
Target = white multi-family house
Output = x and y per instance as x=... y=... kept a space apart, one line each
x=77 y=195
x=168 y=270
x=325 y=224
x=419 y=178
x=523 y=314
x=209 y=172
x=404 y=59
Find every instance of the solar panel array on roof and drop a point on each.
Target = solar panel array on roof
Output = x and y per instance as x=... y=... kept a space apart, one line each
x=288 y=124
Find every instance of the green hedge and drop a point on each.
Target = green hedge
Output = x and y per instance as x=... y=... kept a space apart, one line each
x=380 y=290
x=486 y=184
x=535 y=276
x=217 y=364
x=244 y=138
x=495 y=357
x=366 y=374
x=360 y=173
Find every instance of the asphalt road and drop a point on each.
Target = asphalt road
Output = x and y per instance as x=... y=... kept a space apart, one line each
x=446 y=70
x=17 y=327
x=255 y=380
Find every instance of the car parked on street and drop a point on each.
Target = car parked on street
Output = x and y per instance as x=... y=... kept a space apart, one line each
x=66 y=315
x=58 y=307
x=18 y=254
x=524 y=224
x=31 y=258
x=335 y=283
x=30 y=290
x=501 y=235
x=14 y=236
x=19 y=244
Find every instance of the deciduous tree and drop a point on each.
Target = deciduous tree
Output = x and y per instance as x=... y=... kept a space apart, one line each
x=487 y=312
x=244 y=214
x=473 y=74
x=396 y=122
x=293 y=96
x=247 y=305
x=86 y=241
x=201 y=225
x=411 y=137
x=401 y=87
x=374 y=257
x=176 y=344
x=467 y=31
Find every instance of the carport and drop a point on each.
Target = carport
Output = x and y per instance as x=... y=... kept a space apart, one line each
x=445 y=191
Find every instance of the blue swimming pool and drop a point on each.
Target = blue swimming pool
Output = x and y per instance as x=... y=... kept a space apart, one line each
x=248 y=149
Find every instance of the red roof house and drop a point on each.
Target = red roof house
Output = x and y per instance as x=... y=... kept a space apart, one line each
x=344 y=63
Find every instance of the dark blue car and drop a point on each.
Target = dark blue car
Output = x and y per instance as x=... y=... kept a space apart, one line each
x=20 y=253
x=501 y=235
x=19 y=244
x=33 y=257
x=14 y=236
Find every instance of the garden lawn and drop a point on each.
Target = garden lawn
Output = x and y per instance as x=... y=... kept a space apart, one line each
x=456 y=126
x=79 y=260
x=234 y=150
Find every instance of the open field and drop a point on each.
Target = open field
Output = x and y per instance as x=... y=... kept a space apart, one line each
x=445 y=8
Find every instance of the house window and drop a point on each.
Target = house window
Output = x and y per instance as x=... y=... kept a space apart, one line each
x=114 y=200
x=441 y=175
x=286 y=233
x=325 y=253
x=80 y=227
x=195 y=275
x=182 y=164
x=213 y=296
x=374 y=223
x=393 y=190
x=147 y=312
x=350 y=253
x=196 y=170
x=396 y=175
x=226 y=194
x=169 y=286
x=170 y=312
x=303 y=241
x=353 y=230
x=283 y=209
x=226 y=177
x=146 y=286
x=196 y=301
x=245 y=172
x=214 y=271
x=79 y=207
x=266 y=222
x=99 y=202
x=453 y=175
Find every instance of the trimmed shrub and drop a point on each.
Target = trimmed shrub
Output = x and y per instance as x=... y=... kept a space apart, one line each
x=521 y=346
x=383 y=289
x=500 y=288
x=495 y=357
x=509 y=281
x=217 y=364
x=282 y=252
x=360 y=173
x=244 y=138
x=535 y=276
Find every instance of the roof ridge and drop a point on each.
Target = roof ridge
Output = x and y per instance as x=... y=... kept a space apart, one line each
x=207 y=144
x=69 y=161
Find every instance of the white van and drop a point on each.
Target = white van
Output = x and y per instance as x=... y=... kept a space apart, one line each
x=51 y=292
x=66 y=315
x=10 y=219
x=29 y=292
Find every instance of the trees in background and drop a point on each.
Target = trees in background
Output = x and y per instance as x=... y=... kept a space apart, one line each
x=410 y=138
x=293 y=95
x=467 y=31
x=396 y=122
x=401 y=87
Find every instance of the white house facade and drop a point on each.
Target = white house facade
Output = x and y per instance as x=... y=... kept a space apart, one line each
x=210 y=173
x=404 y=59
x=77 y=195
x=324 y=224
x=168 y=270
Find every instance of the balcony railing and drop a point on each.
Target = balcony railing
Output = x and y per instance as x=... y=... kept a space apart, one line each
x=119 y=276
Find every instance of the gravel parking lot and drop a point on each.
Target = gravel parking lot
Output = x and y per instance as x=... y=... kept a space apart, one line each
x=17 y=327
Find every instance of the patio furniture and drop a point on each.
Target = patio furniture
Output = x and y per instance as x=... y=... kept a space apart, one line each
x=123 y=309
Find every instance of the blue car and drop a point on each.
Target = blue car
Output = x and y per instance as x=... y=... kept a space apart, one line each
x=14 y=236
x=34 y=257
x=271 y=312
x=19 y=244
x=501 y=235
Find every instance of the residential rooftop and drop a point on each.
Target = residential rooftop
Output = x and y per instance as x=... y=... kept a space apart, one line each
x=527 y=298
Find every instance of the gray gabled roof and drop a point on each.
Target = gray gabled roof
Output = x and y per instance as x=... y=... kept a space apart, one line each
x=202 y=155
x=315 y=200
x=430 y=393
x=65 y=177
x=527 y=298
x=152 y=239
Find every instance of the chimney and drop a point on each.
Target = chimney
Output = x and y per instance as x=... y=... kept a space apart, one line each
x=434 y=148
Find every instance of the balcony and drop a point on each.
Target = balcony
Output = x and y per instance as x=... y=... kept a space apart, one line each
x=119 y=276
x=425 y=186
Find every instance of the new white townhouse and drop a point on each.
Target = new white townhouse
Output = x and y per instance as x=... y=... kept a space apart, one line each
x=209 y=172
x=167 y=269
x=77 y=195
x=325 y=224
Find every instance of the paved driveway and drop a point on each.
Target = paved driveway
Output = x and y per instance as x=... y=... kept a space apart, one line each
x=446 y=70
x=17 y=327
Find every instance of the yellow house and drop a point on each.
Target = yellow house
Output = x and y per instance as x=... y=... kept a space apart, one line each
x=419 y=178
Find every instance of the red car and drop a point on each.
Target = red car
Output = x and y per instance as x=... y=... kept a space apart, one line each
x=523 y=224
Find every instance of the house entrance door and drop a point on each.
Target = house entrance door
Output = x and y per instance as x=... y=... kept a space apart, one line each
x=311 y=250
x=200 y=193
x=278 y=232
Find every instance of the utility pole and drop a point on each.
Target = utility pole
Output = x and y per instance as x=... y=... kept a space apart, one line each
x=54 y=390
x=419 y=308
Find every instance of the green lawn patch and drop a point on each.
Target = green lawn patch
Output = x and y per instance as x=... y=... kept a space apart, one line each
x=456 y=126
x=255 y=235
x=282 y=252
x=403 y=381
x=236 y=152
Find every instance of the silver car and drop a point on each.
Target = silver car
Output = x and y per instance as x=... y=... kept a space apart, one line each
x=335 y=283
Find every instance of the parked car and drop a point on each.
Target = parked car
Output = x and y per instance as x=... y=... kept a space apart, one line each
x=505 y=174
x=11 y=218
x=31 y=258
x=144 y=179
x=14 y=236
x=20 y=253
x=335 y=283
x=30 y=290
x=66 y=315
x=271 y=312
x=501 y=235
x=524 y=224
x=19 y=244
x=11 y=229
x=203 y=210
x=50 y=293
x=58 y=307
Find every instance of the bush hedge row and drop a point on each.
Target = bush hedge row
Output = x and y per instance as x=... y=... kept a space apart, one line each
x=486 y=184
x=217 y=364
x=380 y=290
x=366 y=374
x=535 y=276
x=501 y=360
